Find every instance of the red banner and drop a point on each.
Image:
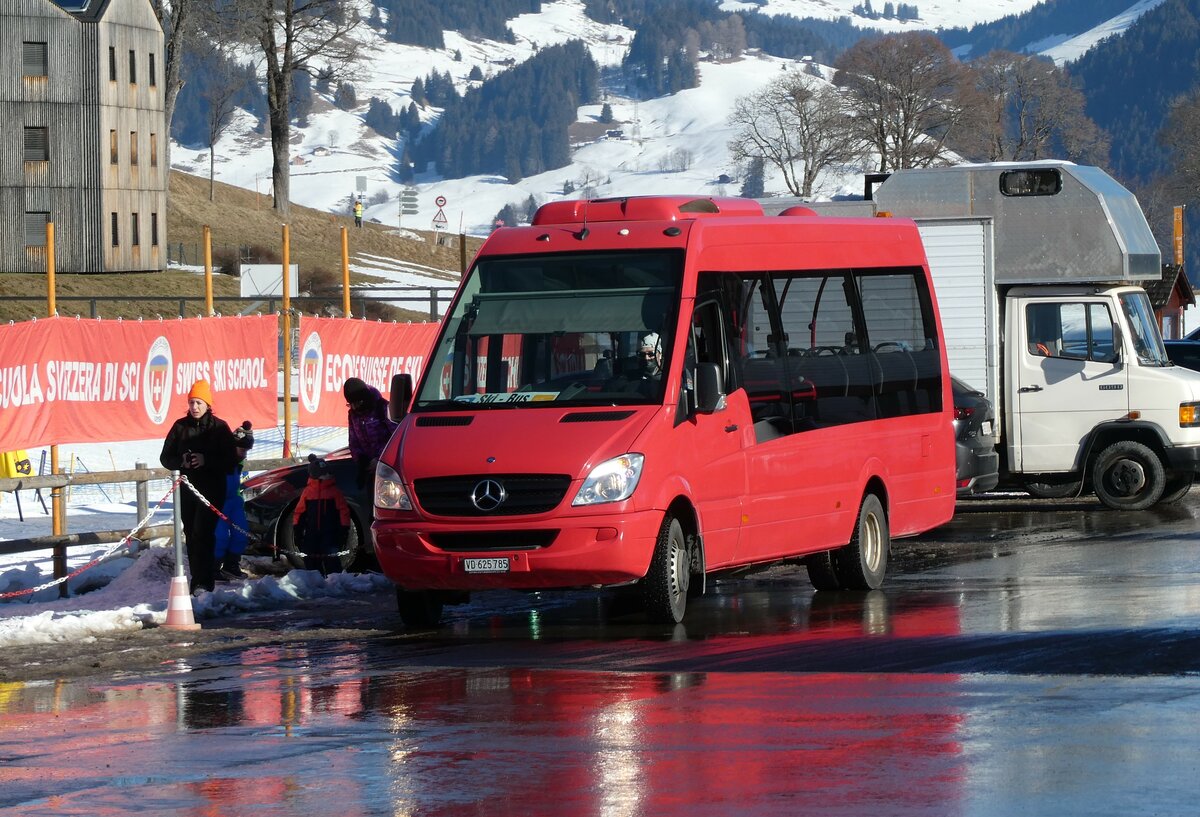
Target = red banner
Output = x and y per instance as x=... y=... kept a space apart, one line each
x=65 y=380
x=334 y=349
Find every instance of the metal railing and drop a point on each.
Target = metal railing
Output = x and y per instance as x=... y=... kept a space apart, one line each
x=431 y=297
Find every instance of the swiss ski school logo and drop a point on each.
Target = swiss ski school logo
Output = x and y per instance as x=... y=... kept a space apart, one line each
x=156 y=383
x=310 y=372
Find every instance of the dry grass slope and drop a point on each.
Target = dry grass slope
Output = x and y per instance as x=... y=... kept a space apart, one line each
x=238 y=218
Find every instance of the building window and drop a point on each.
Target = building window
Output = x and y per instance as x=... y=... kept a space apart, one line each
x=154 y=229
x=37 y=145
x=35 y=229
x=112 y=147
x=112 y=64
x=132 y=67
x=153 y=150
x=34 y=59
x=133 y=148
x=133 y=230
x=153 y=73
x=116 y=235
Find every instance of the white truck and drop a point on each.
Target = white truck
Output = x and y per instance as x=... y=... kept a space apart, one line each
x=1037 y=268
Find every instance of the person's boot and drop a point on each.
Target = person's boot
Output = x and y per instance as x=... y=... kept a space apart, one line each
x=231 y=567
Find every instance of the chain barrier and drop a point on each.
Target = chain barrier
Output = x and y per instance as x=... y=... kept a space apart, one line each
x=111 y=550
x=254 y=537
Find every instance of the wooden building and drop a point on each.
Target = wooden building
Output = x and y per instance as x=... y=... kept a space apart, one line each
x=1170 y=296
x=82 y=135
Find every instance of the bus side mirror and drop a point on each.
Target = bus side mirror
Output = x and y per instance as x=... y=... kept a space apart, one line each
x=710 y=392
x=401 y=396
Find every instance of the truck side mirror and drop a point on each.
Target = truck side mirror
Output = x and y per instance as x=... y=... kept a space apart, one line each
x=710 y=391
x=1118 y=344
x=401 y=396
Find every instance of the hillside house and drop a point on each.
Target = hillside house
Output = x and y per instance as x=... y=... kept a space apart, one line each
x=82 y=135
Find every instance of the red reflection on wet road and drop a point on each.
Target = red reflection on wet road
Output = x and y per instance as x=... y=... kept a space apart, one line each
x=284 y=734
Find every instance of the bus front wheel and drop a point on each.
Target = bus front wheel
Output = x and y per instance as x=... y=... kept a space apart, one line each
x=665 y=588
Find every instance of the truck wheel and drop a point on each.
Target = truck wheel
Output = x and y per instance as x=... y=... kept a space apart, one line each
x=1177 y=487
x=861 y=565
x=665 y=588
x=1128 y=476
x=419 y=609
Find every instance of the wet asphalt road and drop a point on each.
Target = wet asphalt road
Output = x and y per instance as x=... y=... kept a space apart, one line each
x=1030 y=658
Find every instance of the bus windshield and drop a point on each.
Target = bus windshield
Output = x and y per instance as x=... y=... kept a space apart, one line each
x=539 y=330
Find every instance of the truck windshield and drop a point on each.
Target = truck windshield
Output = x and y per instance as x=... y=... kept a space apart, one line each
x=549 y=330
x=1147 y=341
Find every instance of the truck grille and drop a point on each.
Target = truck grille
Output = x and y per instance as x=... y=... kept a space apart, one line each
x=522 y=494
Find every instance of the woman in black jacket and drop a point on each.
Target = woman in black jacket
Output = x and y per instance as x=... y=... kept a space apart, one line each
x=200 y=446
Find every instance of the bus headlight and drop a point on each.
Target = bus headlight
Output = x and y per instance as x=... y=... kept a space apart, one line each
x=389 y=490
x=611 y=481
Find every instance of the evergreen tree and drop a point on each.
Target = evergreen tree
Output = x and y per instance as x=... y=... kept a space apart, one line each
x=606 y=114
x=345 y=97
x=753 y=184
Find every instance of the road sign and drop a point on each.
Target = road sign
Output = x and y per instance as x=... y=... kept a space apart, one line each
x=408 y=195
x=360 y=183
x=440 y=201
x=439 y=219
x=409 y=211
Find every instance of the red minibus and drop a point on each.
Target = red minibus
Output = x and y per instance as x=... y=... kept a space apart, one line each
x=651 y=390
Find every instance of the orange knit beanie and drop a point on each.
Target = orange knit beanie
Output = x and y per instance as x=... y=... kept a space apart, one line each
x=201 y=391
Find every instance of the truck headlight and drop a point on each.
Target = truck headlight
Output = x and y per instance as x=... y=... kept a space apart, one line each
x=611 y=481
x=1189 y=415
x=390 y=492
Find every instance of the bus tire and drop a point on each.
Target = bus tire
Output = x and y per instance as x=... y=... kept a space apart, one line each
x=862 y=564
x=419 y=609
x=665 y=587
x=821 y=571
x=1128 y=476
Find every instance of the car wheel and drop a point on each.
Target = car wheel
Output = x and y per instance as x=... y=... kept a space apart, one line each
x=358 y=559
x=419 y=609
x=862 y=564
x=285 y=539
x=1128 y=476
x=665 y=588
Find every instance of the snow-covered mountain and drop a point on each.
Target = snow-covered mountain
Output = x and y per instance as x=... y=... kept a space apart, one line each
x=675 y=144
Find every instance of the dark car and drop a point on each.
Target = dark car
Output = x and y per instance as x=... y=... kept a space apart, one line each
x=1186 y=351
x=271 y=498
x=977 y=463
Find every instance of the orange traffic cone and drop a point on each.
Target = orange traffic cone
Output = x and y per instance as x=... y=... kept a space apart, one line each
x=179 y=606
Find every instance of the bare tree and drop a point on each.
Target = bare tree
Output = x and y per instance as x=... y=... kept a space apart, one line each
x=180 y=21
x=1181 y=136
x=222 y=92
x=315 y=36
x=908 y=94
x=799 y=125
x=1030 y=110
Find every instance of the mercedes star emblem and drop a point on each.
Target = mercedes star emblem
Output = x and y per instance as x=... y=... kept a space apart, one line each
x=488 y=495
